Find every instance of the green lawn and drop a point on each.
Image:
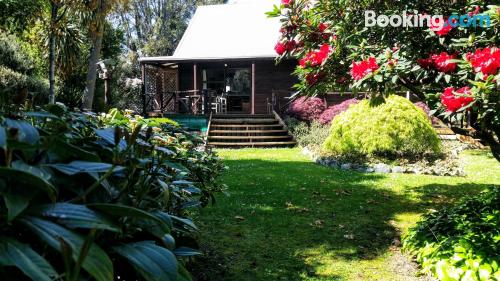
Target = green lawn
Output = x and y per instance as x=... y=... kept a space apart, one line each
x=287 y=218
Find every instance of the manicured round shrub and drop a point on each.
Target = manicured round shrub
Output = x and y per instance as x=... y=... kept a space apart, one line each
x=395 y=127
x=306 y=108
x=327 y=116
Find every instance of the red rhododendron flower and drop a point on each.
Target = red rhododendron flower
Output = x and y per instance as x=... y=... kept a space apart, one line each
x=441 y=28
x=280 y=48
x=315 y=58
x=427 y=63
x=485 y=60
x=290 y=45
x=286 y=2
x=454 y=100
x=442 y=62
x=360 y=69
x=322 y=27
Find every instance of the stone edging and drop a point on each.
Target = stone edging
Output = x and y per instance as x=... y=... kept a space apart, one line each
x=440 y=168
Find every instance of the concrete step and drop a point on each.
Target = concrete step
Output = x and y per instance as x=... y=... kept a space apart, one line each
x=252 y=144
x=248 y=137
x=244 y=121
x=246 y=125
x=246 y=131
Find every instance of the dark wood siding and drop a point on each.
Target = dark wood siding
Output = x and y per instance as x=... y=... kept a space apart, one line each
x=270 y=77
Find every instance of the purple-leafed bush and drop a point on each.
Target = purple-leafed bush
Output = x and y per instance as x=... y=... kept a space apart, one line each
x=306 y=108
x=327 y=116
x=422 y=105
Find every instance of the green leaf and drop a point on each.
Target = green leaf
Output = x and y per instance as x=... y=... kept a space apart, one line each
x=66 y=151
x=108 y=135
x=26 y=132
x=74 y=216
x=127 y=211
x=77 y=167
x=184 y=275
x=40 y=114
x=153 y=262
x=14 y=253
x=97 y=263
x=186 y=252
x=15 y=204
x=3 y=138
x=16 y=178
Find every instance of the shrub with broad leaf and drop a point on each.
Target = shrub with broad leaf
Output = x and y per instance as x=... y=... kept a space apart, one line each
x=83 y=200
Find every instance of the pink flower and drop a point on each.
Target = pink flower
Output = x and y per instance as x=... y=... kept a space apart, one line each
x=485 y=60
x=286 y=3
x=360 y=69
x=454 y=100
x=280 y=48
x=441 y=28
x=442 y=62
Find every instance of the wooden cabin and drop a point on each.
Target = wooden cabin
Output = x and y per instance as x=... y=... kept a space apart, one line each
x=224 y=64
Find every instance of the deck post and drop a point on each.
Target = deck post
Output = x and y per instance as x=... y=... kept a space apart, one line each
x=253 y=87
x=143 y=89
x=195 y=85
x=195 y=78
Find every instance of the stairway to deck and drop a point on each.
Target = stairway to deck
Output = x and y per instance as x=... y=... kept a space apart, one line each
x=245 y=130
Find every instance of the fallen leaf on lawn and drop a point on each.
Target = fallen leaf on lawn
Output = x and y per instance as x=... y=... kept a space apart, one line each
x=239 y=218
x=349 y=236
x=318 y=223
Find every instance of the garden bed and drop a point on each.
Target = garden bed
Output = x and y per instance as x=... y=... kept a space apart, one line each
x=448 y=165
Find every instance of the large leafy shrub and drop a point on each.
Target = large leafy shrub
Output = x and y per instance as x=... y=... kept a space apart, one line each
x=82 y=200
x=392 y=128
x=460 y=242
x=306 y=108
x=327 y=116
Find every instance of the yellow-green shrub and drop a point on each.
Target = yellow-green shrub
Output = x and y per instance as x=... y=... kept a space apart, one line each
x=395 y=127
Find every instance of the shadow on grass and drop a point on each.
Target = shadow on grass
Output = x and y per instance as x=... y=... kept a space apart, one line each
x=291 y=220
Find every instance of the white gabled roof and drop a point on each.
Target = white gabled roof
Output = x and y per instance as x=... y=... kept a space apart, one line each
x=240 y=29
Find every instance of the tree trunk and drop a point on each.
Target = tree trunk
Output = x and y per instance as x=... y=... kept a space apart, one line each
x=52 y=52
x=96 y=35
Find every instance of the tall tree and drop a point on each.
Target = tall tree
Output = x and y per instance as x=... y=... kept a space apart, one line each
x=99 y=12
x=155 y=27
x=54 y=8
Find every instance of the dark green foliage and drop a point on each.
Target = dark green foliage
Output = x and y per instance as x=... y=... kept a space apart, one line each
x=460 y=242
x=81 y=199
x=17 y=77
x=395 y=127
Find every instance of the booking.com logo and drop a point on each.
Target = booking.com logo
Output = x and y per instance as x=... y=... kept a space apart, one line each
x=419 y=20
